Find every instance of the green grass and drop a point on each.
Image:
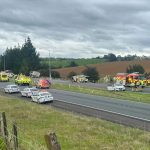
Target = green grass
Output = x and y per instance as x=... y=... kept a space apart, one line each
x=61 y=63
x=2 y=144
x=74 y=132
x=133 y=96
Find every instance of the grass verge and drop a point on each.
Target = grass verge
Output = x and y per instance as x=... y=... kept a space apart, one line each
x=74 y=132
x=134 y=96
x=2 y=144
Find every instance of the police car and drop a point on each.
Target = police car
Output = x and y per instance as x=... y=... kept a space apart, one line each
x=116 y=87
x=12 y=89
x=28 y=92
x=42 y=97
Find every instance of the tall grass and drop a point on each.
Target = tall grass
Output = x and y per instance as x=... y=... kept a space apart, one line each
x=75 y=132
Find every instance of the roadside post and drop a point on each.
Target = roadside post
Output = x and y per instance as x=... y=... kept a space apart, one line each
x=51 y=141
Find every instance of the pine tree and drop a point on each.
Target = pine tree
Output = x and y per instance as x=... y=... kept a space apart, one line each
x=30 y=58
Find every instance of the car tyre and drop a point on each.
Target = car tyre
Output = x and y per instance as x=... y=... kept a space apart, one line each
x=27 y=96
x=9 y=92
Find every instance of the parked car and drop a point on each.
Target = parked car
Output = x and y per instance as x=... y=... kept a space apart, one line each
x=42 y=97
x=12 y=89
x=116 y=87
x=28 y=92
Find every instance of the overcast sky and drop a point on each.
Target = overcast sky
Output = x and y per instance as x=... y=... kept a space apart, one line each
x=77 y=28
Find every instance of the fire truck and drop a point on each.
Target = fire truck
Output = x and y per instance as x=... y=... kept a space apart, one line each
x=128 y=79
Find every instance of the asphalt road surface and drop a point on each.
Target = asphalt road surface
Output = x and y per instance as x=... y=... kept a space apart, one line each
x=135 y=109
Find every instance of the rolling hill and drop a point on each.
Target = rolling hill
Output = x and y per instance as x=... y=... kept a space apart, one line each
x=107 y=68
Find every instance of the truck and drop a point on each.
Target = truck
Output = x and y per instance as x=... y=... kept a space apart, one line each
x=4 y=77
x=9 y=73
x=80 y=78
x=34 y=74
x=23 y=80
x=131 y=78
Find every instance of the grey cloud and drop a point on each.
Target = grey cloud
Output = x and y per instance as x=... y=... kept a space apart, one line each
x=94 y=25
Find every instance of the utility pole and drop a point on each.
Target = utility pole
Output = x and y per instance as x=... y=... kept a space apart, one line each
x=4 y=62
x=50 y=77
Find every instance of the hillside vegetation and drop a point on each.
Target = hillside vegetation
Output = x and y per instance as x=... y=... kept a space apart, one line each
x=64 y=62
x=72 y=62
x=74 y=132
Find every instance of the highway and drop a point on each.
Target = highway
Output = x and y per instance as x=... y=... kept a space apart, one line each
x=135 y=109
x=125 y=107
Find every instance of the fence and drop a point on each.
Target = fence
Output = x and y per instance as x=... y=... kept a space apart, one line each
x=10 y=137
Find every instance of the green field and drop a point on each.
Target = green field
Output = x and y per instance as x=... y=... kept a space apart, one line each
x=133 y=96
x=61 y=63
x=74 y=132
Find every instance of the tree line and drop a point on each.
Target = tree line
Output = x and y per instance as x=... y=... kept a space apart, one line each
x=112 y=57
x=23 y=59
x=20 y=59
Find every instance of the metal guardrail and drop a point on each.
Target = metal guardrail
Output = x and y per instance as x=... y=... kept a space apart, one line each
x=104 y=114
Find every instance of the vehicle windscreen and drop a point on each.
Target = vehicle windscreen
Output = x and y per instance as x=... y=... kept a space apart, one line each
x=14 y=86
x=4 y=76
x=34 y=90
x=118 y=85
x=44 y=94
x=142 y=78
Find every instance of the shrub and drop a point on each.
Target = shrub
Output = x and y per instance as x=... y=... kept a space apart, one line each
x=55 y=74
x=135 y=68
x=92 y=73
x=71 y=74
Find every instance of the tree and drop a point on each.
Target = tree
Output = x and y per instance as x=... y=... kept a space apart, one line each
x=12 y=60
x=147 y=74
x=135 y=68
x=55 y=74
x=24 y=59
x=92 y=74
x=30 y=58
x=119 y=58
x=44 y=69
x=71 y=74
x=110 y=57
x=73 y=64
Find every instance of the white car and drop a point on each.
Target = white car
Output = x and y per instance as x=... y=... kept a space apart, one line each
x=42 y=97
x=12 y=89
x=116 y=87
x=28 y=92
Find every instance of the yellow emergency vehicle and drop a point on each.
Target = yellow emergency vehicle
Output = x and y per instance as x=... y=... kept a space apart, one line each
x=22 y=80
x=4 y=77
